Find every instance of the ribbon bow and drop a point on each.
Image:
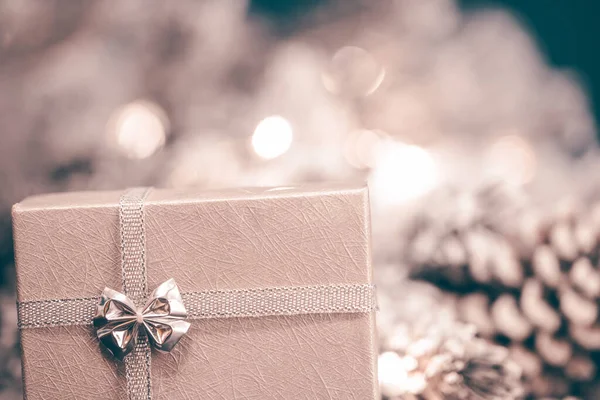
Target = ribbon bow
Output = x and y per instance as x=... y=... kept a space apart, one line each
x=125 y=329
x=118 y=320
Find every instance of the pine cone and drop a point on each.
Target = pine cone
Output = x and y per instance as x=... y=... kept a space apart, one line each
x=447 y=364
x=529 y=282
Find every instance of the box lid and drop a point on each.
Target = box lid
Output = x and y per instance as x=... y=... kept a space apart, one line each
x=67 y=244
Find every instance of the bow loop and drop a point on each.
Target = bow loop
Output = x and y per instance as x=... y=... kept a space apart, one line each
x=118 y=321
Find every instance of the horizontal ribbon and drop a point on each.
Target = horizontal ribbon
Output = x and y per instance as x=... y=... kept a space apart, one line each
x=295 y=300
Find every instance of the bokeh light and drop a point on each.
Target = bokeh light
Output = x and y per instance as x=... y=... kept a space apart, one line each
x=391 y=373
x=353 y=72
x=360 y=147
x=415 y=95
x=402 y=172
x=138 y=129
x=272 y=137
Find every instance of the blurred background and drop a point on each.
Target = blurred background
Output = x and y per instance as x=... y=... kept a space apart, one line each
x=474 y=123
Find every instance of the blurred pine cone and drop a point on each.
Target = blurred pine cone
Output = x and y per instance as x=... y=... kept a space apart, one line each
x=527 y=279
x=450 y=363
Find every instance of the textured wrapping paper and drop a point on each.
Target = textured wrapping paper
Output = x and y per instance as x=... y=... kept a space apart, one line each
x=67 y=246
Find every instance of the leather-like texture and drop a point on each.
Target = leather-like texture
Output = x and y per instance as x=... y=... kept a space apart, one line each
x=67 y=246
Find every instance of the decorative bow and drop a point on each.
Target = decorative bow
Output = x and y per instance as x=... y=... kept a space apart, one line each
x=118 y=320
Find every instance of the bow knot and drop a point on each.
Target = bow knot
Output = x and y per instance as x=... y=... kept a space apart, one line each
x=118 y=321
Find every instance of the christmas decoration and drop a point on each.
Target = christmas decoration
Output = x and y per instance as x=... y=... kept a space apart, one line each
x=410 y=95
x=283 y=304
x=529 y=280
x=447 y=364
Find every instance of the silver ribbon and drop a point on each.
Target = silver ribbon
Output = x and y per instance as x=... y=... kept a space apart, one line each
x=133 y=273
x=128 y=322
x=118 y=321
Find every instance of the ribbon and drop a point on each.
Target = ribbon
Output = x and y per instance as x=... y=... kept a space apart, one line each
x=128 y=323
x=133 y=274
x=118 y=321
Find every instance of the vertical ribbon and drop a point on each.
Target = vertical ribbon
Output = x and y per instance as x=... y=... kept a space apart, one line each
x=225 y=303
x=133 y=272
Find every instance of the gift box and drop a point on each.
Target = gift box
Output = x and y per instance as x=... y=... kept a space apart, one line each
x=261 y=294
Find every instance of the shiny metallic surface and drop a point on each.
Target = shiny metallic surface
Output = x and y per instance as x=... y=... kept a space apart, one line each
x=257 y=302
x=162 y=319
x=294 y=279
x=132 y=232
